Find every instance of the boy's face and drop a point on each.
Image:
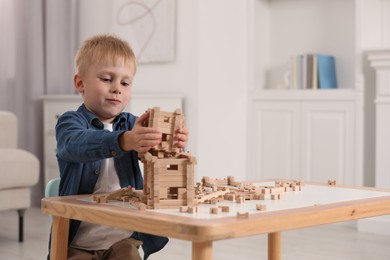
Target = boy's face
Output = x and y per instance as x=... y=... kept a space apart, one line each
x=106 y=88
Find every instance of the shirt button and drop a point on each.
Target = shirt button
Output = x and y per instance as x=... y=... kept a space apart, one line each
x=97 y=171
x=113 y=153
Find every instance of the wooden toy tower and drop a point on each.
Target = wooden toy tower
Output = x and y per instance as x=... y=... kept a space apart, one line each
x=168 y=172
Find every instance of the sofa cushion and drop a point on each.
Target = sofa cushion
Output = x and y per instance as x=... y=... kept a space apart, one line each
x=18 y=198
x=18 y=168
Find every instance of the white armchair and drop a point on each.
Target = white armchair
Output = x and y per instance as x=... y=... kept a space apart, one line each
x=19 y=170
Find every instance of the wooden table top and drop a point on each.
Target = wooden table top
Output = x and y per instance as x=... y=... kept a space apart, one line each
x=315 y=205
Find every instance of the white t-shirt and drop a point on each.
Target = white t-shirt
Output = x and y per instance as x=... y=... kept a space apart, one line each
x=97 y=237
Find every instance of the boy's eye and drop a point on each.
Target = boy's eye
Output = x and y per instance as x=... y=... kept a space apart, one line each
x=105 y=79
x=125 y=84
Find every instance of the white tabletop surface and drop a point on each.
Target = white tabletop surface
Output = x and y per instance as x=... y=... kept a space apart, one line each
x=311 y=195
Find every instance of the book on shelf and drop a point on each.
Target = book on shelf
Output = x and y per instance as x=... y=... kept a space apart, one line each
x=293 y=73
x=313 y=71
x=326 y=71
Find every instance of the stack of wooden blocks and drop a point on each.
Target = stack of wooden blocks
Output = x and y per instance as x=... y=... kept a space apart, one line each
x=168 y=172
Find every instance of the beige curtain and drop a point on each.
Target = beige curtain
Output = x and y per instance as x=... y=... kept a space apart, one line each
x=36 y=54
x=22 y=71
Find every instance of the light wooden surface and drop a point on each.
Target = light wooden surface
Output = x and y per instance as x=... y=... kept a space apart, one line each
x=354 y=204
x=274 y=246
x=59 y=248
x=345 y=242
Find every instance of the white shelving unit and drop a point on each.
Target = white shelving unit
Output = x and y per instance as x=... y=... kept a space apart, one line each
x=345 y=127
x=315 y=135
x=280 y=29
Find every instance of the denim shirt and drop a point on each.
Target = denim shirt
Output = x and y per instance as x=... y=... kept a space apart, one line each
x=82 y=143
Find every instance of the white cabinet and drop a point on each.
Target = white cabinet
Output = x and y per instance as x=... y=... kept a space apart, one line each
x=55 y=105
x=274 y=137
x=327 y=136
x=308 y=135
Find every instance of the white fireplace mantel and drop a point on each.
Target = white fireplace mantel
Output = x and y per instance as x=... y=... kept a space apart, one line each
x=380 y=61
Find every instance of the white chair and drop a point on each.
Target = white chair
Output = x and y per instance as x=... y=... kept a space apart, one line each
x=19 y=170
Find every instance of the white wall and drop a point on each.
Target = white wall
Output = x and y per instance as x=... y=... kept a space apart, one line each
x=222 y=88
x=210 y=72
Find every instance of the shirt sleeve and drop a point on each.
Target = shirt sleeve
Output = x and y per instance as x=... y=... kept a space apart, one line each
x=80 y=141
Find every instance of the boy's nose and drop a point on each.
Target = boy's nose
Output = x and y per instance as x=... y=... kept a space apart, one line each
x=116 y=89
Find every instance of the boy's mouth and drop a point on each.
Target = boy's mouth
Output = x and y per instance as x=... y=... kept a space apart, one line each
x=114 y=101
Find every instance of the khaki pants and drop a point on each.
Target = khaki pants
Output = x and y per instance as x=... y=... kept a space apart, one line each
x=126 y=249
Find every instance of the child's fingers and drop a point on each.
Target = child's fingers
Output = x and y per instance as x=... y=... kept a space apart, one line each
x=181 y=144
x=182 y=134
x=142 y=120
x=183 y=130
x=150 y=131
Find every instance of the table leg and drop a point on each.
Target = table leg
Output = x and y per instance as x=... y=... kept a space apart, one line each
x=202 y=250
x=274 y=246
x=59 y=238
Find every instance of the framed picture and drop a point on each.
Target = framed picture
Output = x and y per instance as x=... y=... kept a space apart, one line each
x=149 y=26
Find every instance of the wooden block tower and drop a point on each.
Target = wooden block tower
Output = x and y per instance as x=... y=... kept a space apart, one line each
x=168 y=172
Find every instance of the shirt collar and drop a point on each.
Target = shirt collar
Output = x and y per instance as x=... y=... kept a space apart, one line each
x=94 y=120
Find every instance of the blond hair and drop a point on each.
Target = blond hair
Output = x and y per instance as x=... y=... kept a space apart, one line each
x=103 y=48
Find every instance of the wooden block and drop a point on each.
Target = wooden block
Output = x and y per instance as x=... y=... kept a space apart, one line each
x=259 y=197
x=178 y=111
x=213 y=201
x=276 y=196
x=231 y=197
x=297 y=188
x=261 y=207
x=178 y=123
x=215 y=210
x=193 y=209
x=240 y=200
x=277 y=190
x=141 y=206
x=224 y=208
x=96 y=199
x=183 y=209
x=230 y=180
x=242 y=215
x=181 y=193
x=265 y=190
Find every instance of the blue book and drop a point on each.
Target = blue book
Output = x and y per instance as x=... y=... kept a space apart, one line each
x=326 y=71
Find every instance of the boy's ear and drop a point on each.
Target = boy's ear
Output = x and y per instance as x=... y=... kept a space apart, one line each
x=78 y=83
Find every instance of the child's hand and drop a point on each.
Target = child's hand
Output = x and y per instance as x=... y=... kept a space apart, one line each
x=140 y=138
x=182 y=137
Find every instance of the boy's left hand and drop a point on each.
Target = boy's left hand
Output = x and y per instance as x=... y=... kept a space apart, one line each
x=182 y=137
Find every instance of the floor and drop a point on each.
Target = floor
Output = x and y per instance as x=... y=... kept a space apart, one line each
x=334 y=242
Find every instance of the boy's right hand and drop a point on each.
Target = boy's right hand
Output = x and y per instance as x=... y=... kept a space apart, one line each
x=140 y=138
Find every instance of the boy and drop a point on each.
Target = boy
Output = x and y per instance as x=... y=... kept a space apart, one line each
x=98 y=145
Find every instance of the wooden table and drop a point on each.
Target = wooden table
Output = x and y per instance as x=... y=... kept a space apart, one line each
x=315 y=205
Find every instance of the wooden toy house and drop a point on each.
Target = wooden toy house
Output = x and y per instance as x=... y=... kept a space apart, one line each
x=168 y=172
